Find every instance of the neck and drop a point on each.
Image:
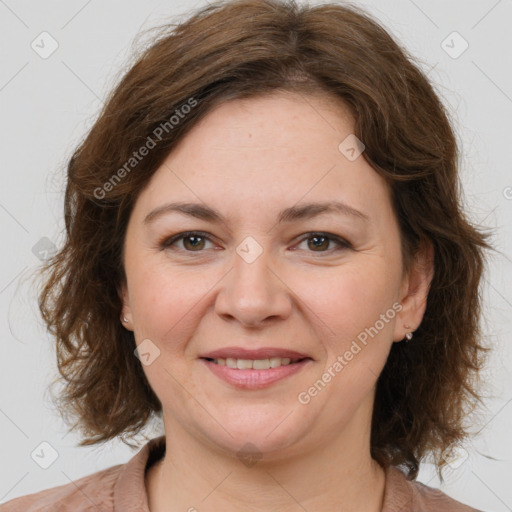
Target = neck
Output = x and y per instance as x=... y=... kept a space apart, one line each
x=338 y=473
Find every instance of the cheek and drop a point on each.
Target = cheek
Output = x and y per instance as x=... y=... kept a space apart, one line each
x=353 y=298
x=158 y=299
x=165 y=306
x=168 y=303
x=357 y=313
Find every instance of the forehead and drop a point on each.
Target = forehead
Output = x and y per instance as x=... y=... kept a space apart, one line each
x=277 y=121
x=270 y=151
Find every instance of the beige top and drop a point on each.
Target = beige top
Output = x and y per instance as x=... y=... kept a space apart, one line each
x=122 y=488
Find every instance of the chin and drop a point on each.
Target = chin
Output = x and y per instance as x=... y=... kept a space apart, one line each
x=267 y=434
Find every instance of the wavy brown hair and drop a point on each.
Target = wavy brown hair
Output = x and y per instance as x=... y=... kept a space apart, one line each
x=240 y=49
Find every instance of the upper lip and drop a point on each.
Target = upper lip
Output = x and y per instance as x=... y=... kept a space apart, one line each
x=260 y=353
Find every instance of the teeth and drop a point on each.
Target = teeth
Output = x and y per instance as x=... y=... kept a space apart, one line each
x=256 y=364
x=244 y=364
x=261 y=364
x=277 y=361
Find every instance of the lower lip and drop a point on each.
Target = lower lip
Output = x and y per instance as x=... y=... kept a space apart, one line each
x=255 y=379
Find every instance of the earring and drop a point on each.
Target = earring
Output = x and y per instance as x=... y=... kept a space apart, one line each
x=408 y=335
x=125 y=319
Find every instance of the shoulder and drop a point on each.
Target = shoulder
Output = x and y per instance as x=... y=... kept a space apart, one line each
x=120 y=487
x=403 y=495
x=428 y=498
x=91 y=492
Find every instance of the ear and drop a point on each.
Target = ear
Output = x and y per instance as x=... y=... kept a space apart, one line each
x=126 y=312
x=414 y=291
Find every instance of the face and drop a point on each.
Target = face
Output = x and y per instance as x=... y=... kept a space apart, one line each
x=322 y=286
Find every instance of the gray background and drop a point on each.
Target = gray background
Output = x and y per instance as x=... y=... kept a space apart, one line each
x=47 y=104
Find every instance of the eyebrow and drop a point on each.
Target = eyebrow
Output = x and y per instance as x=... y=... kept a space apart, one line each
x=291 y=214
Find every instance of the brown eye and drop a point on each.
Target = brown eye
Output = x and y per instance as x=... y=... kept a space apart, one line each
x=320 y=242
x=193 y=241
x=196 y=242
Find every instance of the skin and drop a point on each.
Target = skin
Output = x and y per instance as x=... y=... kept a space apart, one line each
x=250 y=159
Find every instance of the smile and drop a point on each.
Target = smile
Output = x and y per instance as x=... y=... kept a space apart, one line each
x=256 y=364
x=255 y=373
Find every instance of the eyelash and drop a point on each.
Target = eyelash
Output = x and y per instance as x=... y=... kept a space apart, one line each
x=168 y=242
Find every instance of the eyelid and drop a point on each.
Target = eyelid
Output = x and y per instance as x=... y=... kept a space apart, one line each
x=342 y=242
x=167 y=242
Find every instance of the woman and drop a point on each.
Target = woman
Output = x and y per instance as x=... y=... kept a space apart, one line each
x=266 y=247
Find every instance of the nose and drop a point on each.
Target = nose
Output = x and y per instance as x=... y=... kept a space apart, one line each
x=253 y=293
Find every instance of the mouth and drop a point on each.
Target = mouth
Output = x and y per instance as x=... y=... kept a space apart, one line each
x=255 y=364
x=255 y=374
x=254 y=369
